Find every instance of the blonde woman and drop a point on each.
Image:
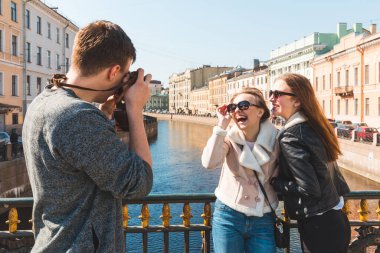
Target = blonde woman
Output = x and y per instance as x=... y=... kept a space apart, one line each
x=242 y=220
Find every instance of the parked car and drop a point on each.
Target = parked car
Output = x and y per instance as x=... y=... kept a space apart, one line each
x=5 y=138
x=344 y=131
x=365 y=133
x=359 y=124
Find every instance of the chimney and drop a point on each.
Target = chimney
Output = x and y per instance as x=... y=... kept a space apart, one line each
x=358 y=28
x=341 y=29
x=372 y=28
x=256 y=63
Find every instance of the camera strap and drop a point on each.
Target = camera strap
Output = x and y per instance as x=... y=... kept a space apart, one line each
x=58 y=80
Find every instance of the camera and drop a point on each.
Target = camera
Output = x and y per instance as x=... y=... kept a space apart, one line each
x=120 y=114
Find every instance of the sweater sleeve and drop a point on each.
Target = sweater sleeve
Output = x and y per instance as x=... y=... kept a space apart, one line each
x=86 y=141
x=215 y=150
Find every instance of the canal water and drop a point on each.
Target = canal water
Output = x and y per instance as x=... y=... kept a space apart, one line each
x=177 y=168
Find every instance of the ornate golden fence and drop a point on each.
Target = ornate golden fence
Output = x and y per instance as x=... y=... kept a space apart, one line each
x=362 y=207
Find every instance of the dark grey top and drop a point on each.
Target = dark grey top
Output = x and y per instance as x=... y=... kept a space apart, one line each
x=79 y=171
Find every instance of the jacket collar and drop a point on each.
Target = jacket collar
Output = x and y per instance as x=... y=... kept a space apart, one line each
x=296 y=118
x=265 y=142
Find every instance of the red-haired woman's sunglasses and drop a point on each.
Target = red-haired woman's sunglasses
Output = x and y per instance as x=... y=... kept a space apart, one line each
x=277 y=93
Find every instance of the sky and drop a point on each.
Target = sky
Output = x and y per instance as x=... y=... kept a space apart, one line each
x=171 y=36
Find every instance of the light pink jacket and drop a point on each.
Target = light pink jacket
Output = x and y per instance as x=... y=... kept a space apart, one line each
x=238 y=187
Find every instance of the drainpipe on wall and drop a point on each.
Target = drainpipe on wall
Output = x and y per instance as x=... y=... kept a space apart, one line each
x=24 y=58
x=361 y=51
x=64 y=48
x=331 y=61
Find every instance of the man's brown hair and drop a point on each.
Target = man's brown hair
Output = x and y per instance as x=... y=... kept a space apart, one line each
x=100 y=45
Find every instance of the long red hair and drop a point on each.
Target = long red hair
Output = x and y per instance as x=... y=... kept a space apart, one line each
x=311 y=108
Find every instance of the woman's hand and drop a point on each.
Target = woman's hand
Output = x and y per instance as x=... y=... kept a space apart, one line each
x=224 y=118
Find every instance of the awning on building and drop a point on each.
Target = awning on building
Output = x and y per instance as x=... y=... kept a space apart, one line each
x=5 y=108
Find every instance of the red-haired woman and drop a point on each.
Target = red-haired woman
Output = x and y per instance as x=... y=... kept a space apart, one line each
x=309 y=178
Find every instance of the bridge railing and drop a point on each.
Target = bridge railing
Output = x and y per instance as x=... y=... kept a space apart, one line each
x=365 y=226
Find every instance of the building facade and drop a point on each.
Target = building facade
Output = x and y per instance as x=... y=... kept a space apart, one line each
x=181 y=84
x=199 y=101
x=49 y=39
x=159 y=99
x=347 y=79
x=32 y=47
x=295 y=57
x=11 y=65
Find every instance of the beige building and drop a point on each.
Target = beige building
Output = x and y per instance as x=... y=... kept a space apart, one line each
x=11 y=65
x=217 y=86
x=257 y=78
x=181 y=84
x=347 y=79
x=199 y=101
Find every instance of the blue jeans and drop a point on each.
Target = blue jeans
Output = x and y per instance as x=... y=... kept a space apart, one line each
x=233 y=231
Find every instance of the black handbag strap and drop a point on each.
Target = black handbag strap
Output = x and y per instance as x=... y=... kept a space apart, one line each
x=265 y=195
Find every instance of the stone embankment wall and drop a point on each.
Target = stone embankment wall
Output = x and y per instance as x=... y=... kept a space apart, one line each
x=360 y=158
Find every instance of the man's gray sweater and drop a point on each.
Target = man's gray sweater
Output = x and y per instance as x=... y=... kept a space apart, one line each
x=79 y=171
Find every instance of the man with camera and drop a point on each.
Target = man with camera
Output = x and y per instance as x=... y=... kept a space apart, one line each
x=78 y=168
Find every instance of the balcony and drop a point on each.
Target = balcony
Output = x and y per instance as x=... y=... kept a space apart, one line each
x=344 y=91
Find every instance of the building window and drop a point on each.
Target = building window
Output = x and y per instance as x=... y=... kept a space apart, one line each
x=367 y=106
x=338 y=78
x=57 y=61
x=67 y=65
x=1 y=84
x=378 y=106
x=330 y=80
x=58 y=35
x=338 y=106
x=14 y=45
x=346 y=106
x=366 y=74
x=28 y=51
x=1 y=40
x=356 y=76
x=67 y=40
x=330 y=106
x=316 y=83
x=347 y=77
x=14 y=86
x=38 y=25
x=49 y=30
x=356 y=106
x=27 y=19
x=323 y=105
x=1 y=4
x=49 y=59
x=323 y=82
x=39 y=81
x=28 y=85
x=39 y=60
x=14 y=11
x=14 y=118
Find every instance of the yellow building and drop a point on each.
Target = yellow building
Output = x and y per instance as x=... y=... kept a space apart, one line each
x=218 y=87
x=10 y=65
x=199 y=101
x=347 y=79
